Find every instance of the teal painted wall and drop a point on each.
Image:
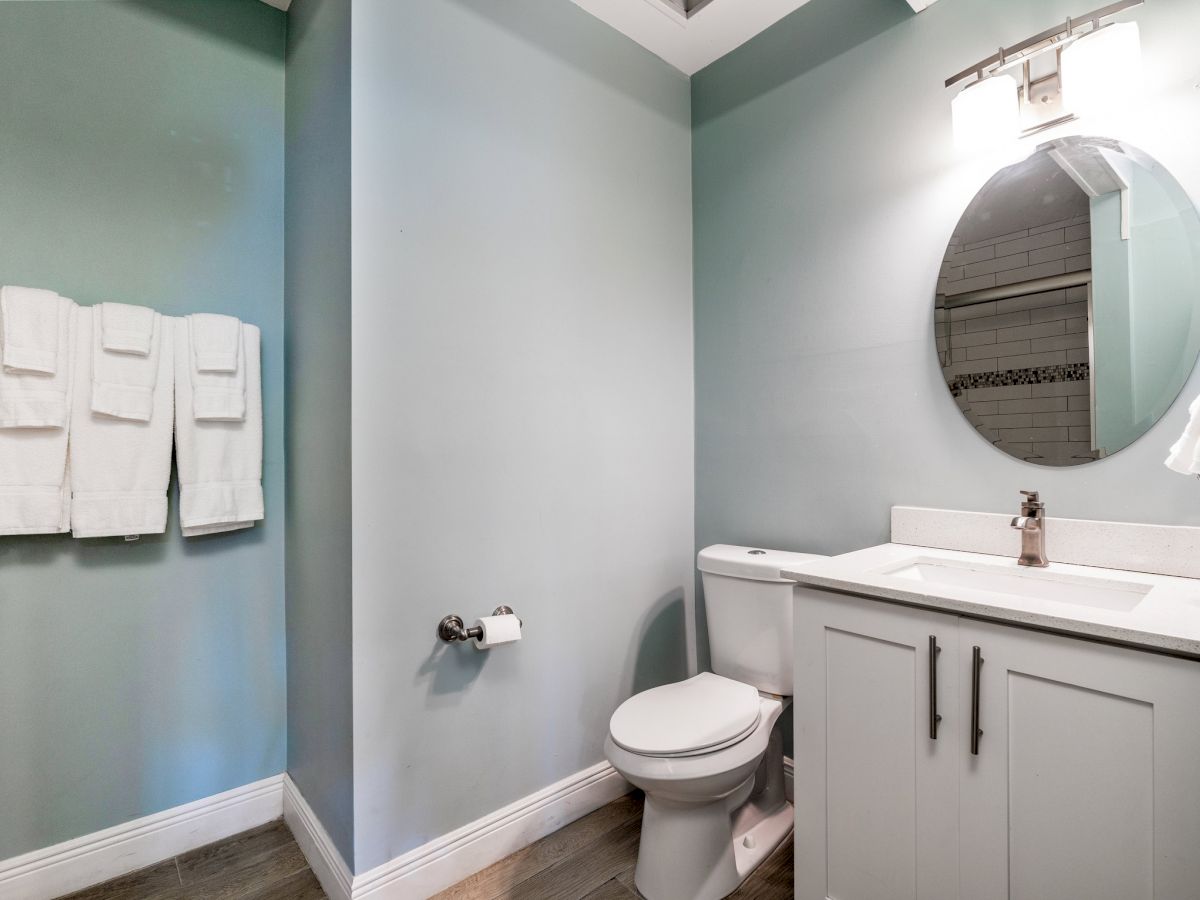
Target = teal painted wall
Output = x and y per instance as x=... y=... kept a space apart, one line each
x=141 y=159
x=522 y=399
x=826 y=188
x=320 y=739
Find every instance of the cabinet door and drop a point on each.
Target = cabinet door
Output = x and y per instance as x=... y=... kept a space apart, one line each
x=876 y=796
x=1086 y=785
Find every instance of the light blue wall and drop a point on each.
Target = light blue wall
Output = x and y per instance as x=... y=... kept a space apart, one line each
x=141 y=159
x=320 y=758
x=522 y=398
x=826 y=189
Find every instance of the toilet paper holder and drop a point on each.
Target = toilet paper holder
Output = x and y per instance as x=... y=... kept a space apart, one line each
x=452 y=628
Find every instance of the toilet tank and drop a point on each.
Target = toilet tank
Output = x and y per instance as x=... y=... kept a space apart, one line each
x=749 y=610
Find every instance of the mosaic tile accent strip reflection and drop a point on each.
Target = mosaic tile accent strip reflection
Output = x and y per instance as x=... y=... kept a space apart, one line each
x=1040 y=375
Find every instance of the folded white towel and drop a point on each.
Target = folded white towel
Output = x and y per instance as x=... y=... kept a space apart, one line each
x=217 y=395
x=128 y=329
x=120 y=468
x=35 y=493
x=220 y=462
x=1184 y=453
x=37 y=399
x=123 y=383
x=31 y=326
x=216 y=342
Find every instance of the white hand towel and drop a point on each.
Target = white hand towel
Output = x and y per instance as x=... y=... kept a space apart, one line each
x=120 y=468
x=31 y=327
x=128 y=329
x=123 y=383
x=220 y=462
x=1182 y=457
x=35 y=492
x=36 y=399
x=216 y=342
x=217 y=395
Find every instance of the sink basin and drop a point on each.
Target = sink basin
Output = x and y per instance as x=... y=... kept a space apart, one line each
x=1032 y=584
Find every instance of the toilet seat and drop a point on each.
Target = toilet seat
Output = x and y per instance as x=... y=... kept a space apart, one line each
x=701 y=715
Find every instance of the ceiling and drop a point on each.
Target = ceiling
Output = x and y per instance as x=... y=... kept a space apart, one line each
x=690 y=34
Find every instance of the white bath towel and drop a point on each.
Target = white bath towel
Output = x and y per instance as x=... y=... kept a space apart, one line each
x=218 y=395
x=35 y=492
x=36 y=399
x=216 y=342
x=219 y=462
x=120 y=468
x=30 y=324
x=1184 y=453
x=128 y=329
x=123 y=383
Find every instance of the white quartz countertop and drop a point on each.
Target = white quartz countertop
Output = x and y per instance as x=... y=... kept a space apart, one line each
x=1166 y=618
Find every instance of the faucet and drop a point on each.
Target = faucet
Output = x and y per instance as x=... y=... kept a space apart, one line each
x=1032 y=525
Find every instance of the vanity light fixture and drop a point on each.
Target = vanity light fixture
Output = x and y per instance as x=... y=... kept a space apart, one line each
x=1102 y=69
x=1065 y=72
x=986 y=113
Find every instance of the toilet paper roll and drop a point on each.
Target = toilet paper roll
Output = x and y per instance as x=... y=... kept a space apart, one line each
x=497 y=630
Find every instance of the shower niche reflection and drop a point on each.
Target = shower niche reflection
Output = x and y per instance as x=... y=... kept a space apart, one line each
x=1066 y=308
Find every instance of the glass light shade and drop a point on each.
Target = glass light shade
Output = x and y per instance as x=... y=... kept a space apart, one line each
x=1102 y=70
x=986 y=114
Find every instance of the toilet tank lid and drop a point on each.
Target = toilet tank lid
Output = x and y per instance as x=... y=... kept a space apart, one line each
x=752 y=562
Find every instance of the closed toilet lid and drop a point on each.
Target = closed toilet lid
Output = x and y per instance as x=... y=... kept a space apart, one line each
x=705 y=712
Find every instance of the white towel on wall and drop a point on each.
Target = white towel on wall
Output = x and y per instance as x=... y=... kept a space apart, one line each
x=120 y=469
x=35 y=492
x=123 y=383
x=219 y=462
x=36 y=399
x=30 y=321
x=218 y=394
x=1182 y=457
x=216 y=342
x=127 y=329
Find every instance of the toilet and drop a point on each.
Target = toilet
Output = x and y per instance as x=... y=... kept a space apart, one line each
x=708 y=751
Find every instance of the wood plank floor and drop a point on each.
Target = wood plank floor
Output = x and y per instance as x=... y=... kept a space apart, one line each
x=262 y=864
x=593 y=859
x=590 y=859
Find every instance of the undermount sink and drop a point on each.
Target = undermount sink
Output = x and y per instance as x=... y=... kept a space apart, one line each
x=1033 y=584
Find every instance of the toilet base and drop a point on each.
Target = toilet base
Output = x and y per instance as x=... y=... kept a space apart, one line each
x=692 y=851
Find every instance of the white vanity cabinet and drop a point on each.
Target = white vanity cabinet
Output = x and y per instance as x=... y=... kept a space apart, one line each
x=1085 y=786
x=876 y=797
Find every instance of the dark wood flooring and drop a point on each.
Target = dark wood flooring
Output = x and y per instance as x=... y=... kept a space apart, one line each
x=262 y=864
x=590 y=859
x=593 y=859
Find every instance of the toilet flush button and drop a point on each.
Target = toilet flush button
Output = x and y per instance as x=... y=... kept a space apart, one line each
x=748 y=842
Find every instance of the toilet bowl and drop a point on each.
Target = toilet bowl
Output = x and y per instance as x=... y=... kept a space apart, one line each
x=708 y=751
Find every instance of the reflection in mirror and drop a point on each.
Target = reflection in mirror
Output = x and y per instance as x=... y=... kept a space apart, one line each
x=1066 y=318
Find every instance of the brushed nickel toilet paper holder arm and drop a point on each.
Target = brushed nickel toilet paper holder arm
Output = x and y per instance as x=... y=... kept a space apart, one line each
x=452 y=628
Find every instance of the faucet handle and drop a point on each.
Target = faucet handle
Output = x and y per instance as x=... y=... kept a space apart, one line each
x=1031 y=499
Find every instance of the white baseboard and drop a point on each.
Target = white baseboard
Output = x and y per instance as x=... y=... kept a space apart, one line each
x=93 y=858
x=789 y=779
x=318 y=848
x=447 y=860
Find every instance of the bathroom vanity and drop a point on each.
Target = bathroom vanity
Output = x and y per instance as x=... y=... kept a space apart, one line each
x=969 y=728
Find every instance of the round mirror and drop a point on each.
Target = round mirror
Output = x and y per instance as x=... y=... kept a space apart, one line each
x=1066 y=318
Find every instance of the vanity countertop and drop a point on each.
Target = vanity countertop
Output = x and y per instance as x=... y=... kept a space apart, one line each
x=1165 y=613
